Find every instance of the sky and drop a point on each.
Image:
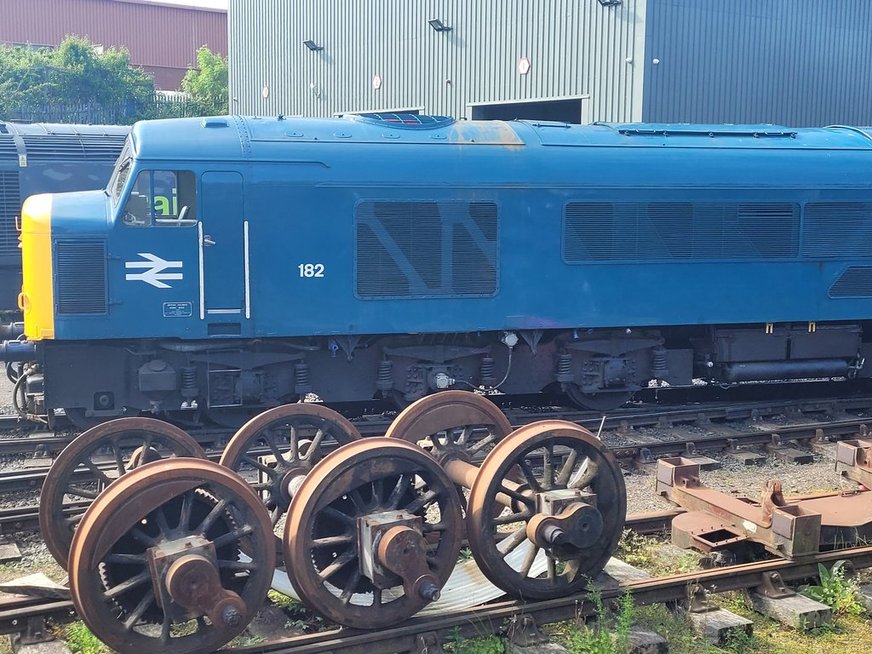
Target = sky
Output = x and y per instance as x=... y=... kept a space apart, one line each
x=219 y=4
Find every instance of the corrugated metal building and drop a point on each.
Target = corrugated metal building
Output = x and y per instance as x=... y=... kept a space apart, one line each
x=163 y=39
x=798 y=62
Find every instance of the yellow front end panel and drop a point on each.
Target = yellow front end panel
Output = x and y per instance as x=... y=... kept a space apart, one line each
x=37 y=296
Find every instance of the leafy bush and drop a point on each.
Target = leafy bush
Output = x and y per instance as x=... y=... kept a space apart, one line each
x=835 y=590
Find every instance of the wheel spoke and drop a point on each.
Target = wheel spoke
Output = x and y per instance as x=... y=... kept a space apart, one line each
x=399 y=490
x=465 y=433
x=567 y=468
x=530 y=476
x=511 y=517
x=377 y=486
x=119 y=459
x=422 y=501
x=76 y=491
x=293 y=445
x=528 y=561
x=524 y=499
x=349 y=588
x=510 y=543
x=427 y=527
x=185 y=512
x=268 y=470
x=232 y=536
x=125 y=558
x=335 y=514
x=478 y=445
x=357 y=500
x=127 y=585
x=315 y=446
x=552 y=569
x=161 y=520
x=146 y=601
x=165 y=629
x=210 y=519
x=97 y=472
x=271 y=443
x=548 y=467
x=236 y=565
x=142 y=537
x=585 y=475
x=340 y=562
x=332 y=541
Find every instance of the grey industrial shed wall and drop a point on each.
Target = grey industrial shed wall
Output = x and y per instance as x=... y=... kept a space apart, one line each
x=794 y=62
x=575 y=48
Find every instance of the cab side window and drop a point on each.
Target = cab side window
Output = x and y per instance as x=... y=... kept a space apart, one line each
x=162 y=198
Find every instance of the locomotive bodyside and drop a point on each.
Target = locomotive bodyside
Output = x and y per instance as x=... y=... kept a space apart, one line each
x=235 y=263
x=46 y=158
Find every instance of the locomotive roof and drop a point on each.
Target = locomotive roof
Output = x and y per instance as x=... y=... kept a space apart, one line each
x=235 y=137
x=60 y=142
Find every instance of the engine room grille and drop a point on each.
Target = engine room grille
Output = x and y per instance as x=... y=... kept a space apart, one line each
x=10 y=206
x=837 y=229
x=661 y=231
x=425 y=249
x=81 y=276
x=854 y=282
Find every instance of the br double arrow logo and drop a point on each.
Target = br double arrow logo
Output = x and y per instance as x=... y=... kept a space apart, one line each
x=153 y=272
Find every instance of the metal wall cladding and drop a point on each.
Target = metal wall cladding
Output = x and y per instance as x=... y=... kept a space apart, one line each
x=161 y=38
x=575 y=48
x=794 y=62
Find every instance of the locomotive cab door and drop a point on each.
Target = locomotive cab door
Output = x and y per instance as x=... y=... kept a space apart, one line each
x=223 y=251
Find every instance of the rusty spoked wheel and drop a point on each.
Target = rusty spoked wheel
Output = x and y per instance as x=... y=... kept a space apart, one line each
x=276 y=449
x=568 y=513
x=94 y=460
x=372 y=533
x=175 y=557
x=451 y=425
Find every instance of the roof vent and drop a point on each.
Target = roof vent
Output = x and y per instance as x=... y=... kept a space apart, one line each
x=405 y=121
x=215 y=123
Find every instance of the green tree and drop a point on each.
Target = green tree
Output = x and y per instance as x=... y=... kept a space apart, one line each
x=41 y=84
x=207 y=83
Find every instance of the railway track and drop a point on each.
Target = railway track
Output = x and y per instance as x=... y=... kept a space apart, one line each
x=454 y=427
x=43 y=443
x=501 y=617
x=616 y=432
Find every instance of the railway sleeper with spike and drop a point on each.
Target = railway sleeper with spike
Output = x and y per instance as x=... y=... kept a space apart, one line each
x=789 y=527
x=177 y=552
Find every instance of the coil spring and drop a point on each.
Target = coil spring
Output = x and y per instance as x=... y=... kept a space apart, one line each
x=301 y=377
x=487 y=371
x=189 y=378
x=659 y=364
x=385 y=380
x=564 y=367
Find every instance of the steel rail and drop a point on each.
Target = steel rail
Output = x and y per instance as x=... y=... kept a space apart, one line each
x=498 y=617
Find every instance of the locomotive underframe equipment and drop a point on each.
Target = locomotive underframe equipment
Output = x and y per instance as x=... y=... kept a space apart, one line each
x=172 y=558
x=787 y=527
x=372 y=533
x=93 y=461
x=600 y=369
x=275 y=450
x=548 y=489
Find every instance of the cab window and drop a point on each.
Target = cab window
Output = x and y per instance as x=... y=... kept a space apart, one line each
x=162 y=198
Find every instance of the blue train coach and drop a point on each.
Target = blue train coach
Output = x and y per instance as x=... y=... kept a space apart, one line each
x=236 y=263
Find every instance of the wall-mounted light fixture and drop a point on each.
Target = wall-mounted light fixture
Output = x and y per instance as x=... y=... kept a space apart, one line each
x=438 y=25
x=314 y=47
x=609 y=3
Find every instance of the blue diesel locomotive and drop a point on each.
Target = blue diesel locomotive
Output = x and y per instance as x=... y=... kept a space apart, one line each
x=46 y=158
x=236 y=263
